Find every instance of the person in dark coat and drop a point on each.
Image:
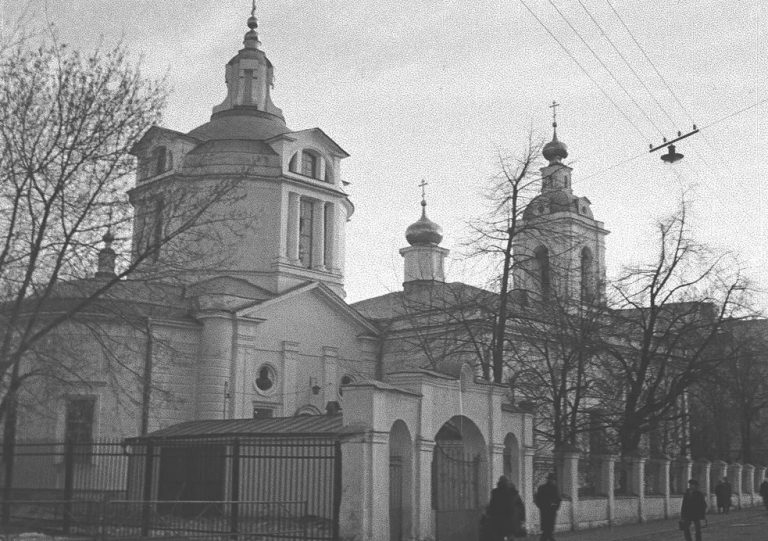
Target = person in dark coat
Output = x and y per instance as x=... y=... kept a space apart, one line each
x=693 y=510
x=547 y=499
x=764 y=493
x=723 y=496
x=506 y=511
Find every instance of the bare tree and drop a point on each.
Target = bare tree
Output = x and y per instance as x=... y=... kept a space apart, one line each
x=68 y=122
x=667 y=321
x=732 y=404
x=496 y=237
x=552 y=358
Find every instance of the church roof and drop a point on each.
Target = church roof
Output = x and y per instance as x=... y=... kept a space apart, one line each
x=300 y=425
x=241 y=123
x=432 y=296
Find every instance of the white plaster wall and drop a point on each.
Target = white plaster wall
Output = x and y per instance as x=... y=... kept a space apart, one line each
x=313 y=324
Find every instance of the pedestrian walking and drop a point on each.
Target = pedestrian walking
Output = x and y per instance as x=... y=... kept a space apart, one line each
x=764 y=492
x=723 y=496
x=506 y=512
x=547 y=499
x=693 y=510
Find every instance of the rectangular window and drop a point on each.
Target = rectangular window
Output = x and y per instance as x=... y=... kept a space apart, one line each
x=306 y=216
x=247 y=87
x=78 y=430
x=260 y=412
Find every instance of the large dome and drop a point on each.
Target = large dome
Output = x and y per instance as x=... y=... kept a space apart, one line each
x=241 y=123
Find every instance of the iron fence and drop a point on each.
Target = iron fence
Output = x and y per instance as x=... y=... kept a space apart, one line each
x=210 y=488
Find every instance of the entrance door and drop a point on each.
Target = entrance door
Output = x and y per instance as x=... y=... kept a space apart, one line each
x=191 y=474
x=456 y=493
x=395 y=498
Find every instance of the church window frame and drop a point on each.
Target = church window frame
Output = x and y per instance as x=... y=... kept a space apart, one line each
x=162 y=160
x=263 y=410
x=265 y=382
x=587 y=275
x=543 y=272
x=306 y=231
x=310 y=164
x=293 y=164
x=346 y=379
x=80 y=426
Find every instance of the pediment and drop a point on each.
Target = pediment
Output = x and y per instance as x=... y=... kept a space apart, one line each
x=317 y=295
x=319 y=136
x=156 y=134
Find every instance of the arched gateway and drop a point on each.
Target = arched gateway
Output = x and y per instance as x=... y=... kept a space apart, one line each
x=459 y=480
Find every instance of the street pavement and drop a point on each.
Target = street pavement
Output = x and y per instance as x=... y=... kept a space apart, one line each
x=745 y=525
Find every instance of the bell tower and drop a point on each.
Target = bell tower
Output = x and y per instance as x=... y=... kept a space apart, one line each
x=562 y=245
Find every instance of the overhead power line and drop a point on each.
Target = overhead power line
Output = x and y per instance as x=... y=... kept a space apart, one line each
x=629 y=65
x=615 y=79
x=731 y=115
x=642 y=50
x=600 y=88
x=667 y=85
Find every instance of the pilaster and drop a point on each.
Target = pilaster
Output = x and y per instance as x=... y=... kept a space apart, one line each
x=748 y=483
x=292 y=244
x=682 y=468
x=637 y=484
x=290 y=372
x=607 y=482
x=424 y=525
x=318 y=235
x=567 y=464
x=734 y=477
x=702 y=475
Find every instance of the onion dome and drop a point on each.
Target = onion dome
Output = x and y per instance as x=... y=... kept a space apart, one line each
x=424 y=230
x=555 y=150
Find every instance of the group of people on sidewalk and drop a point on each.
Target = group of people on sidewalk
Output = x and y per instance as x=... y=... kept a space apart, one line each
x=504 y=518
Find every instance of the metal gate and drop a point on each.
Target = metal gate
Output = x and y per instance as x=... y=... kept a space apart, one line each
x=395 y=498
x=209 y=488
x=456 y=495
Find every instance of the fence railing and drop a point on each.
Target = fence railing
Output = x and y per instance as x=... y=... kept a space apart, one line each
x=160 y=518
x=287 y=489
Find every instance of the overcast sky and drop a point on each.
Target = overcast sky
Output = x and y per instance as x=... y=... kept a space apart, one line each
x=433 y=89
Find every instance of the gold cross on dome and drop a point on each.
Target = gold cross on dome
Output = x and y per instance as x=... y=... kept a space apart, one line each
x=422 y=184
x=554 y=107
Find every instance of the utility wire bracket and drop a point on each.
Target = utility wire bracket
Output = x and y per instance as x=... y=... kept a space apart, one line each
x=679 y=137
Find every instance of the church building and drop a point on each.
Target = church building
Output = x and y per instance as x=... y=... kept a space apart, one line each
x=258 y=338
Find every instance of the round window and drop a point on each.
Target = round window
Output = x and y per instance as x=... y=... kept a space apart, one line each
x=345 y=380
x=265 y=379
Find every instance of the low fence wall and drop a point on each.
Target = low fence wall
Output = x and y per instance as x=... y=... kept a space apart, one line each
x=608 y=490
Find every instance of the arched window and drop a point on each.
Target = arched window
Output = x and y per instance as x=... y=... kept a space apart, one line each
x=162 y=160
x=293 y=165
x=542 y=271
x=310 y=164
x=328 y=174
x=587 y=275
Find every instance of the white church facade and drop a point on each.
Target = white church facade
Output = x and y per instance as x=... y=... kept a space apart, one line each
x=265 y=336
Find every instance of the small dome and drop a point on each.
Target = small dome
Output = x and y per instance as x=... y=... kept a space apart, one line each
x=551 y=202
x=555 y=150
x=424 y=230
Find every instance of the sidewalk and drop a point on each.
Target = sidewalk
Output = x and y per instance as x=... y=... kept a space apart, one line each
x=746 y=524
